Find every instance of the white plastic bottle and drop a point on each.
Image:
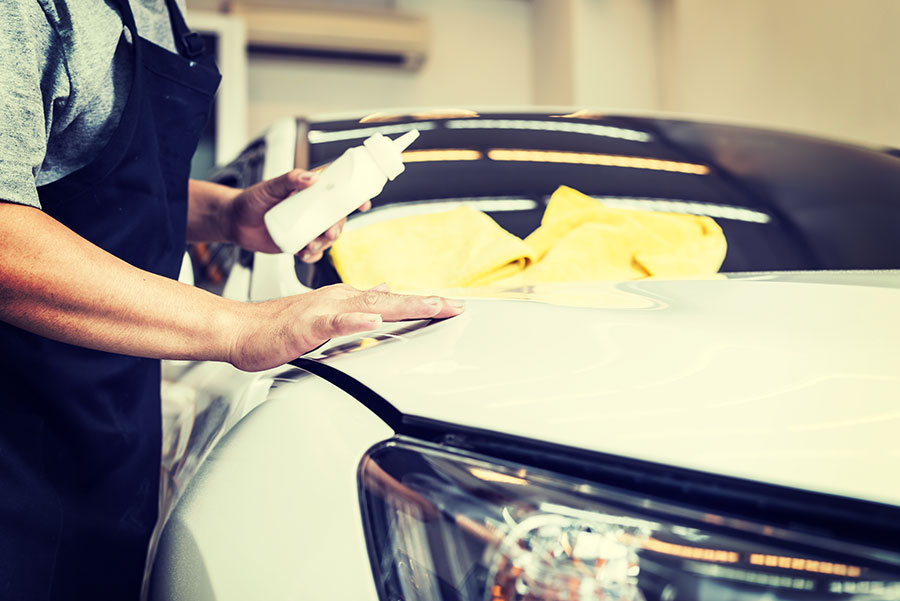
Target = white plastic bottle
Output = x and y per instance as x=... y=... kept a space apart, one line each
x=353 y=178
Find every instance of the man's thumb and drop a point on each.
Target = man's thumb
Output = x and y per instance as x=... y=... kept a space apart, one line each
x=277 y=189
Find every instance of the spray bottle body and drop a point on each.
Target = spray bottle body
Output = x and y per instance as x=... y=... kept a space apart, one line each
x=356 y=176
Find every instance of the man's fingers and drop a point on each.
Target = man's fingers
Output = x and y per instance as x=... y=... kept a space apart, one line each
x=369 y=309
x=450 y=308
x=325 y=239
x=279 y=188
x=330 y=235
x=279 y=330
x=312 y=252
x=334 y=231
x=308 y=256
x=396 y=307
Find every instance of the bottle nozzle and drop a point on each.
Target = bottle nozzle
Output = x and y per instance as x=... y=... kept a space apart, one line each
x=387 y=153
x=403 y=142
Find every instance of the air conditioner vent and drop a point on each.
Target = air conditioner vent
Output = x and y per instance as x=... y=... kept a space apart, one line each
x=379 y=37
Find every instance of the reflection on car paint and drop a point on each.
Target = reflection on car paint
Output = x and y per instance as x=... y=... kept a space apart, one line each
x=560 y=126
x=594 y=158
x=670 y=205
x=318 y=136
x=367 y=341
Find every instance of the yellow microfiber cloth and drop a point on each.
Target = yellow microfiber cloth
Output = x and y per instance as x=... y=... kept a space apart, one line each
x=457 y=248
x=579 y=239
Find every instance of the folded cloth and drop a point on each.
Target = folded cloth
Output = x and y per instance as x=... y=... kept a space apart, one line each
x=457 y=248
x=579 y=239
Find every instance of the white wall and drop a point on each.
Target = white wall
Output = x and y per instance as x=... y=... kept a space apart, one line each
x=616 y=51
x=479 y=55
x=596 y=53
x=824 y=66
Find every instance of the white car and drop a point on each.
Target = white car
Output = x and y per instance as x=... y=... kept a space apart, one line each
x=712 y=439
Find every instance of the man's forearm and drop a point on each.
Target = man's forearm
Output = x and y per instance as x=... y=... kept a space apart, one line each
x=57 y=284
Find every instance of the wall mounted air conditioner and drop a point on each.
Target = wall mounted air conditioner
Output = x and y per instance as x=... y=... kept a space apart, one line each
x=380 y=37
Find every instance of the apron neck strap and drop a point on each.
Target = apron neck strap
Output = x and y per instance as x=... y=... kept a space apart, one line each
x=189 y=43
x=127 y=16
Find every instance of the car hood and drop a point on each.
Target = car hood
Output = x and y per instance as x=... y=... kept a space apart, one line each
x=792 y=379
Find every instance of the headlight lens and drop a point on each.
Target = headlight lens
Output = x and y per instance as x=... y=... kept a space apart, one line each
x=453 y=526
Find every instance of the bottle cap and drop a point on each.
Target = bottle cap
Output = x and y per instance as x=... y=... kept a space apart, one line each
x=387 y=153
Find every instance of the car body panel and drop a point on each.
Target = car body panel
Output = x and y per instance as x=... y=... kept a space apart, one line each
x=275 y=507
x=770 y=378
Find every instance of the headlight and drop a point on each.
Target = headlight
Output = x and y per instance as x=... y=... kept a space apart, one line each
x=454 y=526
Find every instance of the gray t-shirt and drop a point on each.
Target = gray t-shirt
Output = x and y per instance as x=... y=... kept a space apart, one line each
x=65 y=72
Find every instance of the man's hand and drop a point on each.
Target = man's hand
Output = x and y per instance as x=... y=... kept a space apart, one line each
x=55 y=283
x=275 y=332
x=246 y=211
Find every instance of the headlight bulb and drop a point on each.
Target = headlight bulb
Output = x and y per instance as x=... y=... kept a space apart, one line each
x=552 y=557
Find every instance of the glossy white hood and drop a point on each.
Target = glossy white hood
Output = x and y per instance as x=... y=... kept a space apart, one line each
x=785 y=379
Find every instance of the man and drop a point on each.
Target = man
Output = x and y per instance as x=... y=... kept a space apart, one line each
x=101 y=106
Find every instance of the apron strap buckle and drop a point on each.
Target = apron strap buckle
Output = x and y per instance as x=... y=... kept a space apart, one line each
x=193 y=44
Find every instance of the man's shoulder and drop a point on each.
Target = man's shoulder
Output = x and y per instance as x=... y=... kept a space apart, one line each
x=68 y=16
x=86 y=33
x=22 y=17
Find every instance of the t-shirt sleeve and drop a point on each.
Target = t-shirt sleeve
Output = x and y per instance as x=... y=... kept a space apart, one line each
x=27 y=71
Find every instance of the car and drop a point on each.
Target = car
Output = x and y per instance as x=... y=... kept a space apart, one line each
x=730 y=436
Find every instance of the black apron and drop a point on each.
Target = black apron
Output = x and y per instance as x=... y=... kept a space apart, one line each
x=80 y=430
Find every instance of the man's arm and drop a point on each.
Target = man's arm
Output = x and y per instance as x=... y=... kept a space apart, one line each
x=59 y=285
x=218 y=213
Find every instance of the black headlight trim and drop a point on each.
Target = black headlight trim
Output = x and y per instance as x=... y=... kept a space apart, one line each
x=817 y=514
x=373 y=401
x=791 y=545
